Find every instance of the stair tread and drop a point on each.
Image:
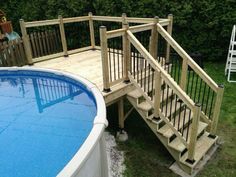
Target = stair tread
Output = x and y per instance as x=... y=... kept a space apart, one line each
x=178 y=145
x=135 y=94
x=167 y=131
x=203 y=144
x=144 y=106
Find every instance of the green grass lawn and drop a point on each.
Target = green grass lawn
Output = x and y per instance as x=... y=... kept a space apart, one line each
x=145 y=156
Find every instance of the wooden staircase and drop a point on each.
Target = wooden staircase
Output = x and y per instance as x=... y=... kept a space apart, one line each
x=175 y=97
x=173 y=144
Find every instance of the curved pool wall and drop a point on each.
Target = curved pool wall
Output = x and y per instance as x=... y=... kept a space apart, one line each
x=91 y=159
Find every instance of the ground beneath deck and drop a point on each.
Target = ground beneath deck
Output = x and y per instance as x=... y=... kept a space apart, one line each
x=87 y=64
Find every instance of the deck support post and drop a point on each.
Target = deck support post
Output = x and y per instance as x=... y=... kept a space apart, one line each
x=26 y=42
x=91 y=30
x=216 y=112
x=121 y=113
x=63 y=36
x=184 y=71
x=193 y=135
x=121 y=134
x=126 y=49
x=154 y=39
x=169 y=30
x=157 y=96
x=105 y=68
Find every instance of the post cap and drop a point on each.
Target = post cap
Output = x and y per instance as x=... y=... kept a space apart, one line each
x=103 y=27
x=198 y=104
x=221 y=85
x=124 y=15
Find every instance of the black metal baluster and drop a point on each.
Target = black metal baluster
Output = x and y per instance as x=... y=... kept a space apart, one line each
x=192 y=85
x=199 y=94
x=153 y=82
x=179 y=115
x=208 y=94
x=145 y=75
x=114 y=59
x=212 y=100
x=185 y=108
x=109 y=58
x=176 y=101
x=148 y=89
x=188 y=81
x=203 y=96
x=195 y=88
x=188 y=127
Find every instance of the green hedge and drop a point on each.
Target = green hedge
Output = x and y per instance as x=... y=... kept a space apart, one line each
x=203 y=26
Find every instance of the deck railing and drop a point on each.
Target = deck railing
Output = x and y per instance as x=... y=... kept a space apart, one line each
x=70 y=35
x=12 y=53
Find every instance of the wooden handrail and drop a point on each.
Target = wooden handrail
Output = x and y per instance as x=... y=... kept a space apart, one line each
x=133 y=29
x=163 y=22
x=161 y=74
x=184 y=55
x=165 y=76
x=55 y=21
x=41 y=23
x=143 y=27
x=115 y=33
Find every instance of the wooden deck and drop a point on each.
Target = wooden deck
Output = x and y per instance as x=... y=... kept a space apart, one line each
x=87 y=64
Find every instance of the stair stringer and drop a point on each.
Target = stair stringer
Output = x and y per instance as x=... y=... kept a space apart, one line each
x=175 y=154
x=188 y=168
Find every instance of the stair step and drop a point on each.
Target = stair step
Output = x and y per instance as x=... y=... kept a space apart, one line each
x=135 y=94
x=145 y=106
x=203 y=144
x=178 y=145
x=167 y=131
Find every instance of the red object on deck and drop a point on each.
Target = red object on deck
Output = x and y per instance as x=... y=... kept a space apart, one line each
x=6 y=27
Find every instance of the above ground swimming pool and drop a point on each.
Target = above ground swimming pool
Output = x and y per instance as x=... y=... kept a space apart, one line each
x=51 y=124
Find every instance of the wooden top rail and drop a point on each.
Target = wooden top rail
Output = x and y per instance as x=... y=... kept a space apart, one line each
x=115 y=33
x=107 y=18
x=41 y=23
x=139 y=28
x=155 y=65
x=133 y=29
x=55 y=21
x=162 y=21
x=184 y=55
x=75 y=19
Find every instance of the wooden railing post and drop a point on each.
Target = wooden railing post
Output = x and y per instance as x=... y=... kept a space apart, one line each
x=193 y=135
x=154 y=38
x=63 y=36
x=105 y=68
x=157 y=97
x=169 y=30
x=124 y=19
x=126 y=49
x=126 y=53
x=184 y=71
x=26 y=42
x=216 y=111
x=91 y=29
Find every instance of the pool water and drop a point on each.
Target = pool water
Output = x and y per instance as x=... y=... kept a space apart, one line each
x=44 y=119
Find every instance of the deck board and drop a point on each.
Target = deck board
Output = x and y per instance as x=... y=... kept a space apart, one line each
x=86 y=64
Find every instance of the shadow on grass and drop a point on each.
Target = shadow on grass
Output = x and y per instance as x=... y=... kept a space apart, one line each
x=145 y=156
